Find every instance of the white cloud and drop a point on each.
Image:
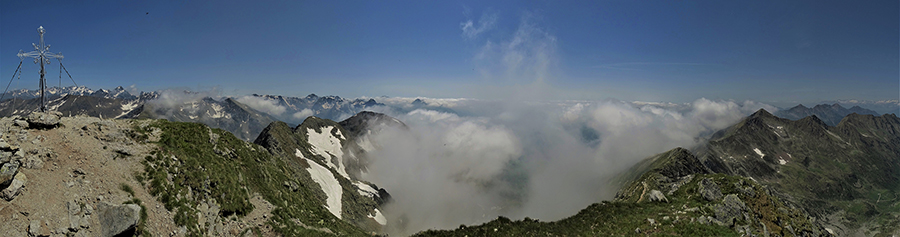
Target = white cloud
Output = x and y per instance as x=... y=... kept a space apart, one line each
x=471 y=29
x=527 y=159
x=303 y=114
x=263 y=105
x=528 y=56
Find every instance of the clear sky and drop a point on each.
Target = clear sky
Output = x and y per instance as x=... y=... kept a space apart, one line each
x=677 y=51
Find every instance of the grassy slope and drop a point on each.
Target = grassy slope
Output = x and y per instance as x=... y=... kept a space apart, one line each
x=229 y=170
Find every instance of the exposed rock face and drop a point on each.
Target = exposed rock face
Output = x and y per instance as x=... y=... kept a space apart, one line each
x=710 y=190
x=118 y=219
x=43 y=120
x=14 y=187
x=731 y=210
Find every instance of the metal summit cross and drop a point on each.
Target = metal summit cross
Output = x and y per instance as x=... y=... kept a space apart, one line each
x=42 y=55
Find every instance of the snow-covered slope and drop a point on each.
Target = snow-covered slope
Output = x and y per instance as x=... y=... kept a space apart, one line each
x=327 y=182
x=329 y=150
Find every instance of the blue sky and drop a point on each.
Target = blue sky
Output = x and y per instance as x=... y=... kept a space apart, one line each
x=771 y=51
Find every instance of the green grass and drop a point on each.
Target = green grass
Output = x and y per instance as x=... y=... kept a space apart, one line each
x=188 y=168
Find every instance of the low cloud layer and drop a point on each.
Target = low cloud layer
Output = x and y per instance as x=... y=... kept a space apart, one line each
x=171 y=100
x=541 y=160
x=262 y=104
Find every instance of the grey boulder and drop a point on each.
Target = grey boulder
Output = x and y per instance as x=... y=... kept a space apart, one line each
x=117 y=219
x=43 y=120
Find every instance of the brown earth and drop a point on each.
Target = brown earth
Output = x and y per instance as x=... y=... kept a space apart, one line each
x=87 y=160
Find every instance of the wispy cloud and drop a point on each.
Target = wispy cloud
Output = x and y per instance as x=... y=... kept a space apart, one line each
x=526 y=57
x=471 y=29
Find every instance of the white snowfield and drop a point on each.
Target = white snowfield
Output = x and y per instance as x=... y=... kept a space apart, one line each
x=378 y=217
x=328 y=182
x=326 y=145
x=758 y=152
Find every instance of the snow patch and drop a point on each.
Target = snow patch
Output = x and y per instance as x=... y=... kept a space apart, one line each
x=365 y=189
x=326 y=145
x=758 y=152
x=218 y=112
x=329 y=184
x=127 y=108
x=378 y=217
x=782 y=161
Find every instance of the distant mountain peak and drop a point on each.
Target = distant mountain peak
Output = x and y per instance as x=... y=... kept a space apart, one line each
x=831 y=114
x=813 y=120
x=762 y=113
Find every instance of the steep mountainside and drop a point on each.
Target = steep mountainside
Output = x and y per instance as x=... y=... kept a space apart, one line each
x=674 y=195
x=848 y=175
x=330 y=156
x=765 y=176
x=830 y=114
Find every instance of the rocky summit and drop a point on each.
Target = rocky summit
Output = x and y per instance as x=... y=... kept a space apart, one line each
x=87 y=176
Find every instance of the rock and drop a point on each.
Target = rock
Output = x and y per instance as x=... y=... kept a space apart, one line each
x=709 y=190
x=75 y=215
x=657 y=196
x=5 y=156
x=731 y=209
x=78 y=171
x=14 y=188
x=8 y=172
x=117 y=219
x=43 y=120
x=5 y=146
x=38 y=228
x=21 y=123
x=33 y=162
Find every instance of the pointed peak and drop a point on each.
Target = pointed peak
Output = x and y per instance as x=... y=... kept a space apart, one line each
x=812 y=119
x=762 y=113
x=837 y=106
x=799 y=107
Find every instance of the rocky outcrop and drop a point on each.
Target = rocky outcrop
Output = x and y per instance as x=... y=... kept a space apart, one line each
x=15 y=186
x=42 y=120
x=731 y=210
x=709 y=190
x=118 y=219
x=7 y=172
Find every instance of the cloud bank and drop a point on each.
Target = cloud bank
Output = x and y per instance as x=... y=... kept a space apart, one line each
x=522 y=155
x=262 y=104
x=541 y=160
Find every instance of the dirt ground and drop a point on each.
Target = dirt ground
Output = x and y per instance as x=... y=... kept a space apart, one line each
x=86 y=160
